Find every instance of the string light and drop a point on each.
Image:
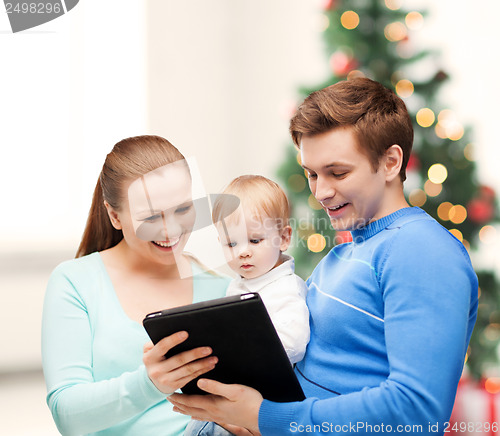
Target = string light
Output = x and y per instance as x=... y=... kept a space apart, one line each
x=316 y=243
x=487 y=234
x=417 y=197
x=414 y=20
x=404 y=88
x=425 y=117
x=457 y=214
x=349 y=20
x=443 y=211
x=313 y=203
x=432 y=189
x=395 y=31
x=437 y=173
x=297 y=182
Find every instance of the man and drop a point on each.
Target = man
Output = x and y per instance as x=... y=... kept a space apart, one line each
x=392 y=312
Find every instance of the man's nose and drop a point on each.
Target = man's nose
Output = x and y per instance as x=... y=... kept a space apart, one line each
x=324 y=190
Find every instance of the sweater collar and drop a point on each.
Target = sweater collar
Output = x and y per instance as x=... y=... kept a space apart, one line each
x=375 y=227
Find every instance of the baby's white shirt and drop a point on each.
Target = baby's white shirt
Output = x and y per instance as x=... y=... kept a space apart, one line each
x=284 y=295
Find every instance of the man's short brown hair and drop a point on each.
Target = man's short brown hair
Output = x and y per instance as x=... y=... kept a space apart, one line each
x=378 y=117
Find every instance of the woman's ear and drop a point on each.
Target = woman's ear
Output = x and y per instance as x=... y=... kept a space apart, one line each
x=286 y=237
x=393 y=160
x=113 y=216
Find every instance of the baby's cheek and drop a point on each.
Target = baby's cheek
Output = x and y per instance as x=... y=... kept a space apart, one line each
x=231 y=259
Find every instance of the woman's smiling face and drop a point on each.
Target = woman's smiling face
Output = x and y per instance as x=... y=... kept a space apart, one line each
x=159 y=215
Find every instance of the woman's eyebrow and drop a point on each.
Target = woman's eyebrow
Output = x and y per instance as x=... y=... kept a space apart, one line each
x=146 y=213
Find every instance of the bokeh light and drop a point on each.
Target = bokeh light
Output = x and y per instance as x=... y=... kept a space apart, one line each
x=487 y=234
x=437 y=173
x=393 y=5
x=395 y=31
x=355 y=74
x=492 y=333
x=432 y=189
x=404 y=88
x=299 y=159
x=425 y=117
x=414 y=20
x=313 y=203
x=323 y=22
x=417 y=197
x=349 y=20
x=492 y=385
x=455 y=131
x=457 y=214
x=469 y=152
x=405 y=49
x=466 y=244
x=297 y=182
x=458 y=234
x=448 y=126
x=443 y=211
x=316 y=243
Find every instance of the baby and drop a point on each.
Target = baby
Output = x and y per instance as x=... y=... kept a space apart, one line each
x=254 y=238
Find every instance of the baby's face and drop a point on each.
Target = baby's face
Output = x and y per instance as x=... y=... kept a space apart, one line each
x=252 y=245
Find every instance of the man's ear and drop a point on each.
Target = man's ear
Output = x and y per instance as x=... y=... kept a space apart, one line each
x=113 y=216
x=393 y=160
x=286 y=237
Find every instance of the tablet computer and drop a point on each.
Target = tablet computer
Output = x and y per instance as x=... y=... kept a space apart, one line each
x=241 y=335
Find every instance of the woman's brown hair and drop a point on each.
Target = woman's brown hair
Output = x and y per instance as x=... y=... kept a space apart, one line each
x=130 y=159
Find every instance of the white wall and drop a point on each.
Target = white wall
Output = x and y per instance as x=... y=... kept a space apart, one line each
x=223 y=76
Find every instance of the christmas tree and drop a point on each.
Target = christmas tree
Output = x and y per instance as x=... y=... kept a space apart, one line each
x=375 y=39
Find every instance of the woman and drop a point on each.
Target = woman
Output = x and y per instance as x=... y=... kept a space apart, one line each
x=100 y=377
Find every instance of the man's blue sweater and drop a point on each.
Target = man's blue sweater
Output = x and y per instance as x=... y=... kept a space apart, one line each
x=391 y=317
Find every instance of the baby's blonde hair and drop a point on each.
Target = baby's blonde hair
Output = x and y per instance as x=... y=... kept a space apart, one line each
x=257 y=194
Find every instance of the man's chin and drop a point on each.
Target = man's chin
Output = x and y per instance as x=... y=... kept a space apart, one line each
x=341 y=225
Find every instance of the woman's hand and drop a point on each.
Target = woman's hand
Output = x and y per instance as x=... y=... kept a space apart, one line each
x=229 y=404
x=173 y=373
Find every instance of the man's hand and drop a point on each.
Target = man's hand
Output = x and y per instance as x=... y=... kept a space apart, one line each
x=232 y=406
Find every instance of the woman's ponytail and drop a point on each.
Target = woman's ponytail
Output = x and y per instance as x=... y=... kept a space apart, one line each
x=99 y=234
